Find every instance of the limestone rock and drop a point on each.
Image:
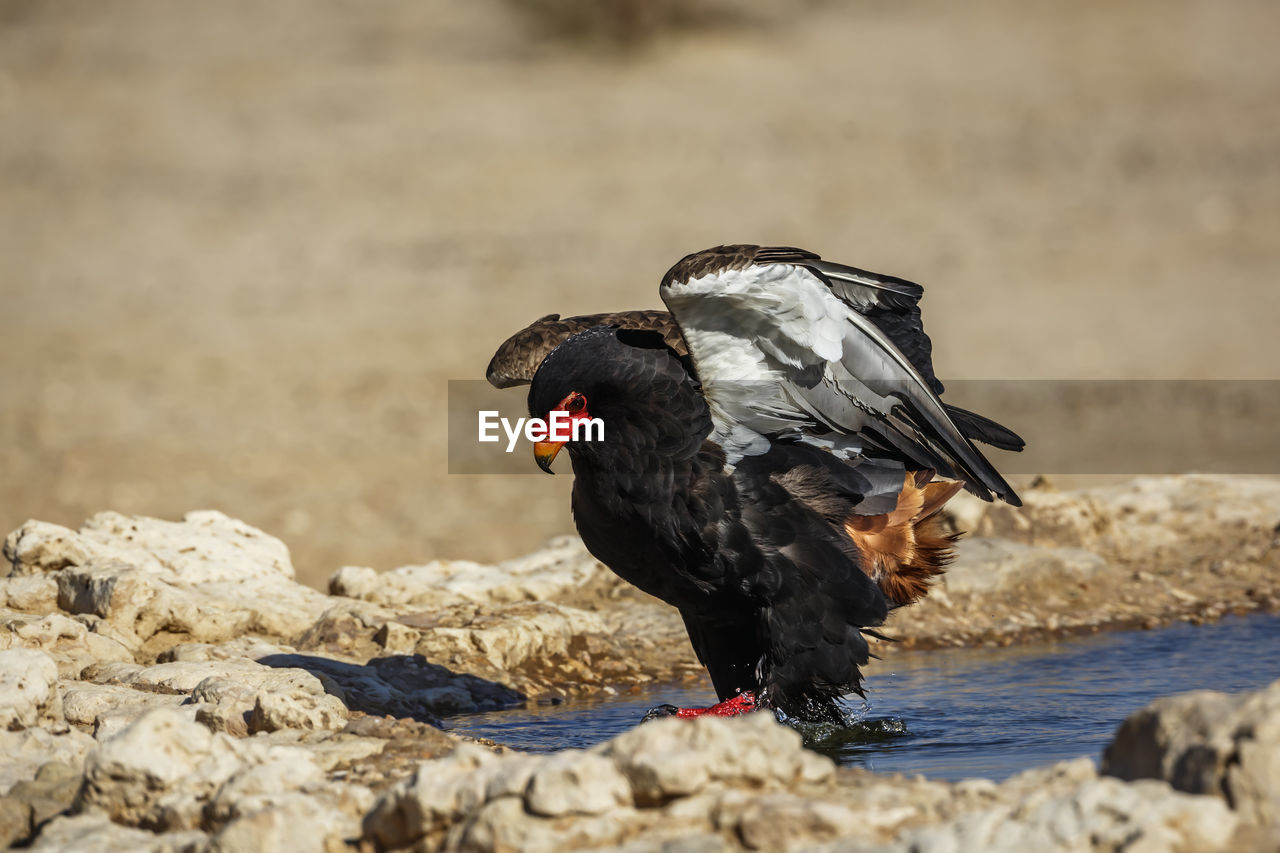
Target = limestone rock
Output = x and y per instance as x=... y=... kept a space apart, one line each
x=26 y=751
x=439 y=793
x=1207 y=743
x=293 y=822
x=28 y=689
x=576 y=782
x=1100 y=814
x=69 y=642
x=676 y=758
x=29 y=593
x=296 y=709
x=209 y=576
x=562 y=566
x=85 y=703
x=96 y=833
x=50 y=793
x=157 y=771
x=987 y=565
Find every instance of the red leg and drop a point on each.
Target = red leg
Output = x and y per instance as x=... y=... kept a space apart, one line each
x=743 y=703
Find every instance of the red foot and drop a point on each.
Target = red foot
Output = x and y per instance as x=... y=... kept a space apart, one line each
x=743 y=703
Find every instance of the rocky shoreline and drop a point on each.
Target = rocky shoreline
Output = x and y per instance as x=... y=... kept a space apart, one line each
x=170 y=686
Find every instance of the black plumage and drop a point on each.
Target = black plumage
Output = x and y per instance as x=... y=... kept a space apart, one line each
x=771 y=588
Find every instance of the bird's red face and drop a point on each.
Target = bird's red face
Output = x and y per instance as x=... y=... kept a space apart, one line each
x=575 y=406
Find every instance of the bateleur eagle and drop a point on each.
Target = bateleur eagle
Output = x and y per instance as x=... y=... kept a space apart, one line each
x=767 y=462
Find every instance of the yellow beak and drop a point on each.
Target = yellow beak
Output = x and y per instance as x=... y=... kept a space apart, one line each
x=544 y=452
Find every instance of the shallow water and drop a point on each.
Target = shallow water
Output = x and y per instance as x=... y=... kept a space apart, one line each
x=954 y=714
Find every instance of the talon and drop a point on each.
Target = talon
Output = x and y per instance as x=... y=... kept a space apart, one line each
x=660 y=712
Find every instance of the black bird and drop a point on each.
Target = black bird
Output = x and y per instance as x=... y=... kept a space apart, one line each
x=774 y=482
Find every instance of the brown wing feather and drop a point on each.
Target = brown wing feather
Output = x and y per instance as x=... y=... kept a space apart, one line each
x=518 y=358
x=904 y=549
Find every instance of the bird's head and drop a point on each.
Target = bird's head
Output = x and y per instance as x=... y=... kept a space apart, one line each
x=636 y=387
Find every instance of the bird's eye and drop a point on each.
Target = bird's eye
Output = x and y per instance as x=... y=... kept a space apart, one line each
x=575 y=404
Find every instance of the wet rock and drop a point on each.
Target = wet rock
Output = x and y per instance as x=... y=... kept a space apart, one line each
x=1207 y=743
x=28 y=689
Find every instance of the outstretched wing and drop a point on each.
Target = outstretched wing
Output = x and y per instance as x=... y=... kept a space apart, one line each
x=517 y=359
x=787 y=344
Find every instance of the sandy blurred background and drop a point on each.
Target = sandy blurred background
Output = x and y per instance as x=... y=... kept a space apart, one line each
x=243 y=246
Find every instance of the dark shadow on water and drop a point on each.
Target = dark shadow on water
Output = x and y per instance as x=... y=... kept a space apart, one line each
x=406 y=686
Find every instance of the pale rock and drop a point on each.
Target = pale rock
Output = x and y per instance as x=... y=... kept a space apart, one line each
x=510 y=777
x=26 y=751
x=29 y=593
x=28 y=689
x=38 y=547
x=1100 y=814
x=296 y=709
x=246 y=647
x=224 y=704
x=262 y=786
x=782 y=821
x=512 y=635
x=1066 y=519
x=96 y=833
x=672 y=757
x=562 y=566
x=576 y=782
x=989 y=565
x=363 y=583
x=68 y=641
x=186 y=676
x=157 y=771
x=133 y=601
x=83 y=702
x=295 y=822
x=206 y=546
x=503 y=824
x=110 y=672
x=1207 y=743
x=966 y=511
x=210 y=577
x=340 y=748
x=397 y=638
x=439 y=793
